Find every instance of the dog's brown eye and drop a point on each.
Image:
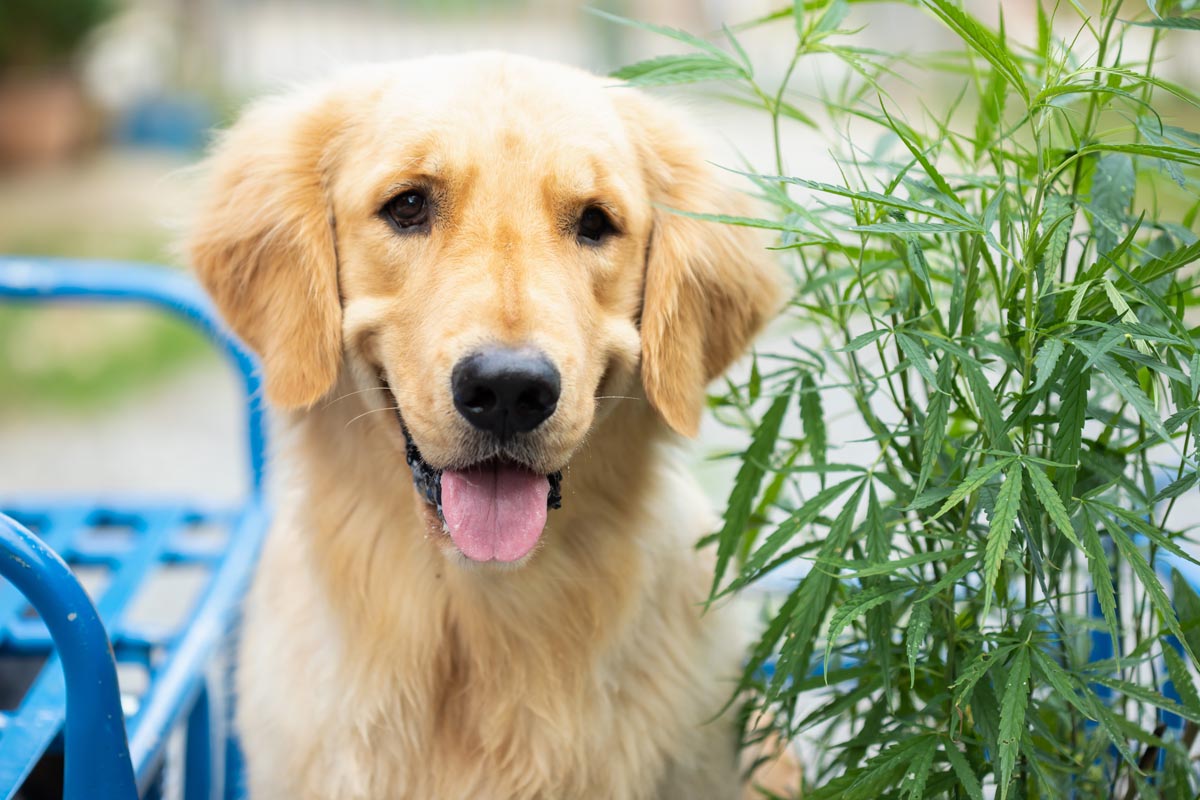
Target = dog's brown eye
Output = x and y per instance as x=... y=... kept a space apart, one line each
x=595 y=225
x=407 y=209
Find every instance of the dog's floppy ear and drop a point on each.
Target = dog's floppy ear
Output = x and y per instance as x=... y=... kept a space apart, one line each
x=263 y=245
x=709 y=287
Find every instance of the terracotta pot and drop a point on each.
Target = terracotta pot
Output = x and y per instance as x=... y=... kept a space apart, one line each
x=43 y=119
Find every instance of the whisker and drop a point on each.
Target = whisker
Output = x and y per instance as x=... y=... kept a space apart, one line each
x=351 y=394
x=372 y=411
x=616 y=397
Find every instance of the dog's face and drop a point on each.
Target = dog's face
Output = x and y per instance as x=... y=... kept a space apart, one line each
x=492 y=250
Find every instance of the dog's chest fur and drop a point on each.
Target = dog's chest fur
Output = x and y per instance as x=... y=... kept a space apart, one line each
x=376 y=668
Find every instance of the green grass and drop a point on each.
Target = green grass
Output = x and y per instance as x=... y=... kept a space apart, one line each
x=61 y=374
x=72 y=358
x=1001 y=290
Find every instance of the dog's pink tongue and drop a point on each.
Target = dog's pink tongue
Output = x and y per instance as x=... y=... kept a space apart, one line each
x=494 y=512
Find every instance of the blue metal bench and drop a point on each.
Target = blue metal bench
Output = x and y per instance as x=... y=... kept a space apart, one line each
x=74 y=705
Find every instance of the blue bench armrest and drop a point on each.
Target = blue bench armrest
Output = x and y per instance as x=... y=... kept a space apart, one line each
x=97 y=752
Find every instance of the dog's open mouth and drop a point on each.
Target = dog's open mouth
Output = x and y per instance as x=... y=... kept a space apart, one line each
x=494 y=510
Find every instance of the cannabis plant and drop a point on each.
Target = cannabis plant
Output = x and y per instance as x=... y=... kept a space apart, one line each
x=998 y=300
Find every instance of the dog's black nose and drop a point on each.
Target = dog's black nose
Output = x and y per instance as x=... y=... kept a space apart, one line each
x=505 y=391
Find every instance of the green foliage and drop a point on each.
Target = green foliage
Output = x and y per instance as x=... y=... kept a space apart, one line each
x=1001 y=290
x=87 y=359
x=47 y=33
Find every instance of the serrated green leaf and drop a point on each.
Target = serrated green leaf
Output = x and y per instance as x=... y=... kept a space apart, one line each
x=1187 y=606
x=1044 y=33
x=1154 y=533
x=673 y=70
x=930 y=228
x=1181 y=677
x=894 y=566
x=982 y=40
x=1094 y=349
x=862 y=340
x=934 y=435
x=743 y=56
x=1004 y=519
x=1067 y=685
x=985 y=400
x=801 y=518
x=1142 y=357
x=1072 y=416
x=1101 y=572
x=1077 y=298
x=929 y=497
x=967 y=779
x=858 y=605
x=1165 y=265
x=1056 y=221
x=812 y=418
x=830 y=19
x=908 y=137
x=770 y=637
x=1119 y=304
x=800 y=633
x=1132 y=394
x=917 y=356
x=1047 y=495
x=975 y=478
x=1176 y=23
x=754 y=387
x=885 y=768
x=919 y=267
x=914 y=636
x=991 y=112
x=1151 y=297
x=874 y=198
x=1046 y=360
x=880 y=620
x=1149 y=580
x=1183 y=155
x=958 y=300
x=1113 y=182
x=786 y=226
x=1116 y=728
x=975 y=669
x=877 y=776
x=1144 y=694
x=663 y=30
x=748 y=482
x=912 y=785
x=1012 y=717
x=1178 y=487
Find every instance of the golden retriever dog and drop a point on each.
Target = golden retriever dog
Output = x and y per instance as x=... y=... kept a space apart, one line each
x=483 y=329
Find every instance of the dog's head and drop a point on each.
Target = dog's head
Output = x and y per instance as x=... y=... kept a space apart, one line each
x=490 y=240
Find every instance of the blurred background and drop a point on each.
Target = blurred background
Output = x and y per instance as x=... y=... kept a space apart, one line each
x=104 y=104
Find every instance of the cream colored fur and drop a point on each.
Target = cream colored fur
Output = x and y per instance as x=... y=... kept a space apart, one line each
x=378 y=664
